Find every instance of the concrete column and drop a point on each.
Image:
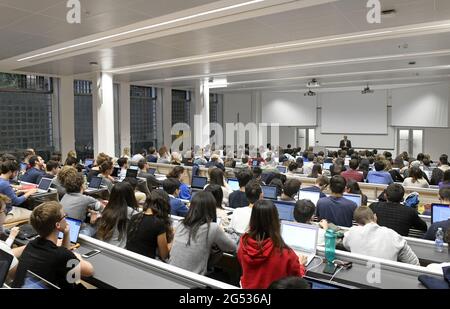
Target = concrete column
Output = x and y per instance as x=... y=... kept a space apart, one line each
x=66 y=113
x=124 y=116
x=103 y=113
x=167 y=116
x=201 y=125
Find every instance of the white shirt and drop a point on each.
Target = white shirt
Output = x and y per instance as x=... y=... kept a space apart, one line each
x=240 y=219
x=137 y=157
x=420 y=183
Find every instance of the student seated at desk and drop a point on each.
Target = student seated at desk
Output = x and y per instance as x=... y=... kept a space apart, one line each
x=445 y=183
x=52 y=168
x=352 y=173
x=290 y=189
x=122 y=205
x=368 y=238
x=320 y=185
x=217 y=192
x=238 y=198
x=177 y=207
x=177 y=173
x=216 y=177
x=304 y=212
x=335 y=208
x=95 y=170
x=415 y=179
x=7 y=244
x=262 y=253
x=123 y=164
x=152 y=228
x=152 y=182
x=352 y=187
x=394 y=215
x=106 y=170
x=152 y=155
x=9 y=170
x=241 y=216
x=444 y=197
x=43 y=257
x=379 y=176
x=36 y=170
x=76 y=205
x=140 y=196
x=197 y=234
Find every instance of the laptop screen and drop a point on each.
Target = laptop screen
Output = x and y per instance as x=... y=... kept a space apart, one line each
x=75 y=226
x=439 y=212
x=5 y=263
x=282 y=169
x=285 y=210
x=255 y=163
x=269 y=192
x=131 y=172
x=234 y=184
x=116 y=171
x=309 y=195
x=199 y=182
x=326 y=166
x=151 y=171
x=45 y=184
x=33 y=281
x=88 y=162
x=95 y=182
x=300 y=237
x=356 y=198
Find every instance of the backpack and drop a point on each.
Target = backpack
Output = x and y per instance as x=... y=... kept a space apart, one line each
x=412 y=200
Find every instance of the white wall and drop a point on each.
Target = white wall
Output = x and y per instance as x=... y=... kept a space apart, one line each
x=436 y=142
x=237 y=104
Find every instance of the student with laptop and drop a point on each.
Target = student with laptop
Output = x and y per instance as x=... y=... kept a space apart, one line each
x=43 y=256
x=222 y=214
x=368 y=238
x=9 y=170
x=95 y=170
x=76 y=204
x=177 y=207
x=123 y=164
x=216 y=177
x=238 y=198
x=152 y=182
x=263 y=255
x=52 y=168
x=150 y=232
x=353 y=188
x=241 y=216
x=122 y=205
x=36 y=170
x=444 y=197
x=396 y=216
x=106 y=170
x=335 y=208
x=177 y=173
x=197 y=234
x=290 y=189
x=320 y=185
x=304 y=212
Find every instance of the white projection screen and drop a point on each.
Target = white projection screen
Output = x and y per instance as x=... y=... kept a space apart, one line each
x=289 y=109
x=425 y=106
x=354 y=113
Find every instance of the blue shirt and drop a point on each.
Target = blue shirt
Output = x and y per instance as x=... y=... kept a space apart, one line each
x=431 y=233
x=32 y=175
x=380 y=177
x=337 y=210
x=6 y=189
x=185 y=193
x=177 y=207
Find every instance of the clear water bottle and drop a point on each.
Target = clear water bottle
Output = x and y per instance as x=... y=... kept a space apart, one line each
x=330 y=246
x=439 y=242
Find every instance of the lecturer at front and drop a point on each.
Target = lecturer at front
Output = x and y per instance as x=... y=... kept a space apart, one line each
x=345 y=144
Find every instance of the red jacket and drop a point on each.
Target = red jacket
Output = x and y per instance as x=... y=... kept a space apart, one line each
x=263 y=265
x=353 y=175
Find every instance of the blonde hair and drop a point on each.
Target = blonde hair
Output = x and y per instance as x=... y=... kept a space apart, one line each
x=72 y=154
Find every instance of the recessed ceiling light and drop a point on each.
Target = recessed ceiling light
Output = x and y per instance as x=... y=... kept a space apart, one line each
x=412 y=63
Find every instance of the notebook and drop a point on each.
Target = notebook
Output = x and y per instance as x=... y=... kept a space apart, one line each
x=302 y=238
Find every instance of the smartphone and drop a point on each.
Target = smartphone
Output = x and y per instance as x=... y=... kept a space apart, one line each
x=90 y=254
x=329 y=269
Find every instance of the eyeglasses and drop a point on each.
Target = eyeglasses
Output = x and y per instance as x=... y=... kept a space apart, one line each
x=63 y=217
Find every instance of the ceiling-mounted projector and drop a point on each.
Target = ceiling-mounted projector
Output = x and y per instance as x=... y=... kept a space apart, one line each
x=367 y=90
x=313 y=83
x=310 y=93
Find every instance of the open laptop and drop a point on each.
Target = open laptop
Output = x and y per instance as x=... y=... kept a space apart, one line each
x=439 y=212
x=357 y=198
x=151 y=171
x=75 y=227
x=35 y=282
x=44 y=185
x=198 y=182
x=313 y=196
x=302 y=238
x=327 y=166
x=132 y=172
x=6 y=260
x=285 y=210
x=270 y=193
x=116 y=171
x=282 y=169
x=234 y=184
x=94 y=184
x=88 y=162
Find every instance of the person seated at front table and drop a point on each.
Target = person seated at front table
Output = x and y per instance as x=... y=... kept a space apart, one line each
x=369 y=238
x=44 y=257
x=379 y=176
x=444 y=198
x=290 y=189
x=335 y=208
x=37 y=167
x=177 y=207
x=320 y=185
x=263 y=255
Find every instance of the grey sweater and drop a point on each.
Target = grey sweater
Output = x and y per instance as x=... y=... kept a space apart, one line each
x=195 y=256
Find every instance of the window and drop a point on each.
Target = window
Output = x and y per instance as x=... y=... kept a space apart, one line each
x=181 y=106
x=84 y=134
x=143 y=118
x=26 y=114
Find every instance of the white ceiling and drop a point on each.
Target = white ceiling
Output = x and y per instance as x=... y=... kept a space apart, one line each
x=28 y=26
